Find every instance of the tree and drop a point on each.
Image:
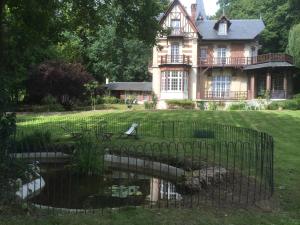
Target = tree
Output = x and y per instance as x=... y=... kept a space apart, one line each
x=61 y=80
x=293 y=47
x=26 y=40
x=277 y=15
x=92 y=88
x=117 y=58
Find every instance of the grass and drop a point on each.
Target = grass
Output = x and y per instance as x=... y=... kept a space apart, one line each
x=284 y=126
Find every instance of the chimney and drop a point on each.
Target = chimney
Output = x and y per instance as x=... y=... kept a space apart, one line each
x=193 y=12
x=106 y=81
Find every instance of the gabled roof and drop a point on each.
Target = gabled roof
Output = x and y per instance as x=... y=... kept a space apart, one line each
x=171 y=6
x=129 y=86
x=247 y=29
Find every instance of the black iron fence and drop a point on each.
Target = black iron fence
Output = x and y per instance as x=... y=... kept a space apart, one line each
x=121 y=163
x=147 y=128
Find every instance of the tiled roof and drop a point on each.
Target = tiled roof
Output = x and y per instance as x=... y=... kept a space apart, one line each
x=239 y=30
x=129 y=86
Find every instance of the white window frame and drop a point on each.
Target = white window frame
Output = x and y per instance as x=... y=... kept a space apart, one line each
x=222 y=55
x=222 y=29
x=221 y=85
x=175 y=52
x=175 y=26
x=174 y=81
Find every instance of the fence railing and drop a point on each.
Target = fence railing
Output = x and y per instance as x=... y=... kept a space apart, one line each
x=148 y=128
x=162 y=164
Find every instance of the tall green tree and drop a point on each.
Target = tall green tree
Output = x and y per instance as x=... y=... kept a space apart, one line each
x=293 y=47
x=277 y=15
x=117 y=58
x=29 y=30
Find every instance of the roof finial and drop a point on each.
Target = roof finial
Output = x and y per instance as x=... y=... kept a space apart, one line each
x=223 y=8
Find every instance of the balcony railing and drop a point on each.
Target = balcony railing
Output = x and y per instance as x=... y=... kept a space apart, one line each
x=226 y=95
x=175 y=59
x=243 y=61
x=176 y=32
x=275 y=94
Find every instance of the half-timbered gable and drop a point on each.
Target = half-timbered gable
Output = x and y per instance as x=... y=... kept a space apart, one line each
x=178 y=22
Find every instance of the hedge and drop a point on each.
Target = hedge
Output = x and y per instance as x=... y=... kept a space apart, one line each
x=180 y=104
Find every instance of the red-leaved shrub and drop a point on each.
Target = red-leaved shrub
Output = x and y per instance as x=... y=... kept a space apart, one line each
x=58 y=79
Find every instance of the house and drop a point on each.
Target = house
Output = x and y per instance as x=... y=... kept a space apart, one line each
x=216 y=60
x=142 y=91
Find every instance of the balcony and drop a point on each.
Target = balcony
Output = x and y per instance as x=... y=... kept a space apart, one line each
x=176 y=32
x=244 y=61
x=175 y=60
x=226 y=95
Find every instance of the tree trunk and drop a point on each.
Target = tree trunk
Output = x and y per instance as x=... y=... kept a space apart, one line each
x=2 y=4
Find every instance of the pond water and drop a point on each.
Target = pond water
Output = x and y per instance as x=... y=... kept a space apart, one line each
x=65 y=189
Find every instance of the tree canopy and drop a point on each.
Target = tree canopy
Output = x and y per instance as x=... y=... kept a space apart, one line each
x=34 y=31
x=279 y=16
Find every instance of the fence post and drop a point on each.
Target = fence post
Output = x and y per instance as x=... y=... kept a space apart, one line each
x=173 y=129
x=163 y=128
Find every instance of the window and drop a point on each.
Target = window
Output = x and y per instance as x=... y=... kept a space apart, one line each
x=203 y=53
x=175 y=53
x=175 y=26
x=222 y=29
x=253 y=55
x=277 y=82
x=174 y=81
x=221 y=86
x=222 y=52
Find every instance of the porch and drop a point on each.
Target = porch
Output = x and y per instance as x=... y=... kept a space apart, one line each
x=272 y=83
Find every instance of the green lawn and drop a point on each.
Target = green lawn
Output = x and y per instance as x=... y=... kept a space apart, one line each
x=284 y=126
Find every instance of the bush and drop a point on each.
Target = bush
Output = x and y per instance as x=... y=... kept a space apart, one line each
x=149 y=105
x=51 y=103
x=292 y=104
x=213 y=106
x=238 y=106
x=37 y=141
x=57 y=79
x=110 y=100
x=297 y=96
x=67 y=102
x=201 y=105
x=180 y=104
x=88 y=156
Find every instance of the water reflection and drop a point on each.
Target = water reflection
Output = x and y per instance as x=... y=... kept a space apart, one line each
x=161 y=189
x=115 y=189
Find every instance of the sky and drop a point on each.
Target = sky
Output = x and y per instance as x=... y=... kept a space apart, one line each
x=211 y=6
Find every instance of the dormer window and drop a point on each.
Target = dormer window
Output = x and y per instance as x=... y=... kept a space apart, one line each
x=222 y=26
x=222 y=29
